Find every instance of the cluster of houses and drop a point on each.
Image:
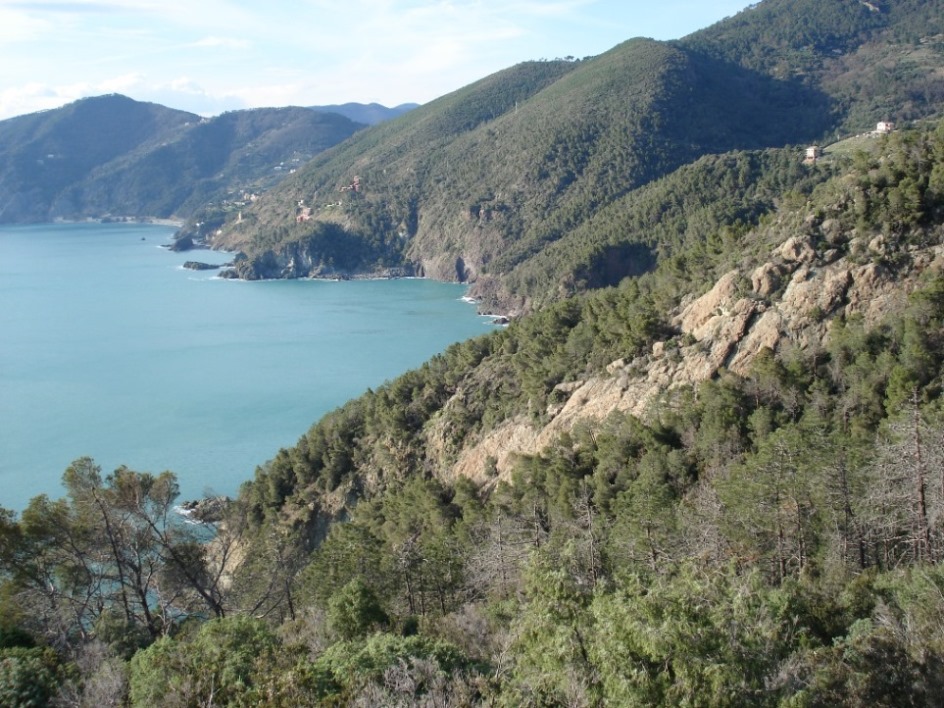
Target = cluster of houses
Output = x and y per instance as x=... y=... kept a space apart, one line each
x=304 y=213
x=814 y=152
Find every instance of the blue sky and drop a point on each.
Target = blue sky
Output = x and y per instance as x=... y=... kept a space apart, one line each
x=208 y=56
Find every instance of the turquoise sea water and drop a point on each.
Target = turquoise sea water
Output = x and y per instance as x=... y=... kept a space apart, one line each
x=109 y=348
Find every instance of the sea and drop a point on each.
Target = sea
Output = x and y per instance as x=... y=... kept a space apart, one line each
x=110 y=349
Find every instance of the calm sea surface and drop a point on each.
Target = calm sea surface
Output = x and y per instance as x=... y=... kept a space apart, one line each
x=109 y=348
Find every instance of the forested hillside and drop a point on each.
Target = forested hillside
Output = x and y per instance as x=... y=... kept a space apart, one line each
x=112 y=156
x=768 y=533
x=45 y=153
x=369 y=114
x=475 y=185
x=706 y=469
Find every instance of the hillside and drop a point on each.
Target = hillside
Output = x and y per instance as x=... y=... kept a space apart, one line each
x=843 y=244
x=706 y=468
x=475 y=185
x=670 y=492
x=43 y=154
x=872 y=58
x=114 y=156
x=368 y=114
x=665 y=449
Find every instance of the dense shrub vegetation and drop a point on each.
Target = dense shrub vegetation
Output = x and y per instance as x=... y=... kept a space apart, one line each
x=768 y=537
x=771 y=539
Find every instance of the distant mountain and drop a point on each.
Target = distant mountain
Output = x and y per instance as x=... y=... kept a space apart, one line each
x=45 y=153
x=474 y=185
x=369 y=114
x=111 y=155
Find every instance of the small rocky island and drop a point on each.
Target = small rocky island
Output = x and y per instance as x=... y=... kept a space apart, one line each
x=197 y=265
x=209 y=510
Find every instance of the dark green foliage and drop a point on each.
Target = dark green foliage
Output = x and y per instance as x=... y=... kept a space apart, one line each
x=355 y=611
x=15 y=637
x=215 y=666
x=28 y=677
x=350 y=665
x=692 y=217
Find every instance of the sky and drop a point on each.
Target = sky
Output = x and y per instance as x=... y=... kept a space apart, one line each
x=210 y=56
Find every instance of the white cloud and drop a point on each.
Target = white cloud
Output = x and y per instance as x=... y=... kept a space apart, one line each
x=182 y=93
x=225 y=42
x=121 y=84
x=186 y=94
x=28 y=99
x=18 y=26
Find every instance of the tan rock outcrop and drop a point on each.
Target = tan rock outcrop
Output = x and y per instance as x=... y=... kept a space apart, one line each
x=766 y=279
x=714 y=304
x=797 y=249
x=720 y=329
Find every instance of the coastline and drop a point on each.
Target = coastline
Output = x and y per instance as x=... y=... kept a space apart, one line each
x=156 y=220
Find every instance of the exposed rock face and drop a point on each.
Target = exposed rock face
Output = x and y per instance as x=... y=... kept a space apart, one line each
x=183 y=243
x=726 y=327
x=208 y=510
x=295 y=260
x=197 y=265
x=448 y=268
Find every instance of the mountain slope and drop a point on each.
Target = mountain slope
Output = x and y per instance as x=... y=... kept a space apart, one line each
x=42 y=154
x=848 y=250
x=503 y=177
x=369 y=114
x=113 y=155
x=475 y=186
x=220 y=157
x=876 y=60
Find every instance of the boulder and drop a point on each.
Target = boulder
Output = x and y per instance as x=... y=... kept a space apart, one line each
x=206 y=511
x=797 y=249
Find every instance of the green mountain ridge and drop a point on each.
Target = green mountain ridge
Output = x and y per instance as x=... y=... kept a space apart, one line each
x=112 y=155
x=45 y=153
x=369 y=114
x=480 y=182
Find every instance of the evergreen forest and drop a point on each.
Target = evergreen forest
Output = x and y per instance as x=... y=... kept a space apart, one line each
x=704 y=467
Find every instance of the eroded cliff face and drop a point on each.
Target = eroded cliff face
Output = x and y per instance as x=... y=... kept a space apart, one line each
x=790 y=300
x=297 y=260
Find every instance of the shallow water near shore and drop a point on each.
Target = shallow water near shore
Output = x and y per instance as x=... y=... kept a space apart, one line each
x=110 y=349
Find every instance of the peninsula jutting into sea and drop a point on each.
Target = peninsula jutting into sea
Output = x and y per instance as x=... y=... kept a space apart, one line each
x=114 y=351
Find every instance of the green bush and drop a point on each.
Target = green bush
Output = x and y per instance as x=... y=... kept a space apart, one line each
x=28 y=676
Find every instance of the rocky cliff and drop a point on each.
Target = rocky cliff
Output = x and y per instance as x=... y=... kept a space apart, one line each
x=806 y=284
x=300 y=260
